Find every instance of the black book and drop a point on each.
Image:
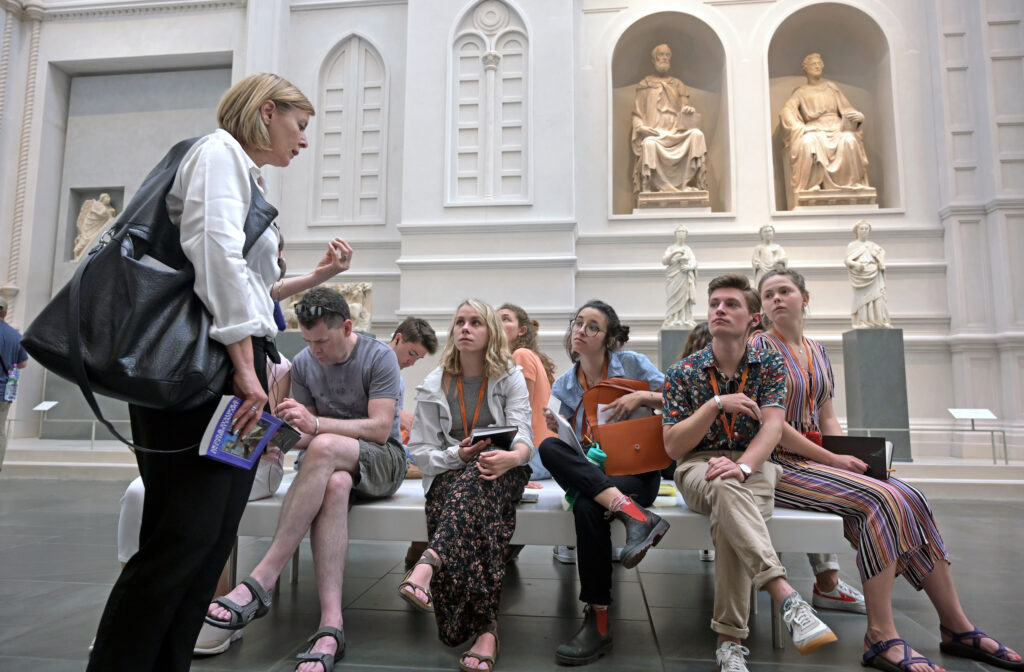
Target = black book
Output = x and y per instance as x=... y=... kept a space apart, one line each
x=501 y=437
x=870 y=449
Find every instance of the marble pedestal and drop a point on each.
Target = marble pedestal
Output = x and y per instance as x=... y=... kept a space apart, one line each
x=670 y=342
x=865 y=196
x=876 y=386
x=654 y=200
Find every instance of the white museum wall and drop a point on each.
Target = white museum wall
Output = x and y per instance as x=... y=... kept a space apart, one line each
x=940 y=83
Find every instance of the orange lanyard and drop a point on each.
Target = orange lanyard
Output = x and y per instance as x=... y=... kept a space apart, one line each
x=743 y=385
x=585 y=425
x=583 y=378
x=809 y=397
x=462 y=403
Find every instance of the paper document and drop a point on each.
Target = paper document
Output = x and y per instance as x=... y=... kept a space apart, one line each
x=566 y=433
x=604 y=413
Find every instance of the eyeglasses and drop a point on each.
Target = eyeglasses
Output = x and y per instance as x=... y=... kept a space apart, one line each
x=306 y=311
x=577 y=324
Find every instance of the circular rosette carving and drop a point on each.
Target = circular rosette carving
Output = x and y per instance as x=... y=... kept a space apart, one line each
x=490 y=17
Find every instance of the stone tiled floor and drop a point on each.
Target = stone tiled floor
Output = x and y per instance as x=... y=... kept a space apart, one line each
x=57 y=562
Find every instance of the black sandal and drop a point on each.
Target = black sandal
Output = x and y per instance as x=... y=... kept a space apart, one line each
x=974 y=651
x=243 y=615
x=428 y=558
x=491 y=628
x=873 y=656
x=325 y=659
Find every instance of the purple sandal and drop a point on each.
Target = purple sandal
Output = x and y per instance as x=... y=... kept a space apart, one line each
x=974 y=651
x=873 y=656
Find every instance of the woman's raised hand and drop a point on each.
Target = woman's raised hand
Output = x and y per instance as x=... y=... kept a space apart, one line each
x=337 y=259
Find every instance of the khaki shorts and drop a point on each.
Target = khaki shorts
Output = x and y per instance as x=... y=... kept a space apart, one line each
x=381 y=469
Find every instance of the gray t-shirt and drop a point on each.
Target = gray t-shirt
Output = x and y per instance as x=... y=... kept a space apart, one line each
x=344 y=390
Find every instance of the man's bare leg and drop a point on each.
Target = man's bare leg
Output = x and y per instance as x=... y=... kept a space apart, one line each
x=326 y=455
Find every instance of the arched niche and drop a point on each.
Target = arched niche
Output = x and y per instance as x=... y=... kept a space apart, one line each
x=698 y=59
x=857 y=58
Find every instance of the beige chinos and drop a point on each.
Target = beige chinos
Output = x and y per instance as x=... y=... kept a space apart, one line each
x=743 y=549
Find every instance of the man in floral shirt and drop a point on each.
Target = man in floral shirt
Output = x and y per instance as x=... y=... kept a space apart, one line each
x=723 y=416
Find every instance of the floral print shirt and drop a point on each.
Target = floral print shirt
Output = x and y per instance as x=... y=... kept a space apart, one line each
x=688 y=386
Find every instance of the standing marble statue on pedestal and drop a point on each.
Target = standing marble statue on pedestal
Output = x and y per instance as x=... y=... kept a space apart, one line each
x=865 y=261
x=670 y=150
x=680 y=282
x=769 y=255
x=824 y=143
x=93 y=219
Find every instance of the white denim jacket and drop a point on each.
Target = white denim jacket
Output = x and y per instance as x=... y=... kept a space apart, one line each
x=430 y=441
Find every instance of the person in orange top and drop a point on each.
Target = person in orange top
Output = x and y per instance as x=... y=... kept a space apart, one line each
x=538 y=369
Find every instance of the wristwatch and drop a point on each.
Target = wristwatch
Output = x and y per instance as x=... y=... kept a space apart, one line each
x=747 y=471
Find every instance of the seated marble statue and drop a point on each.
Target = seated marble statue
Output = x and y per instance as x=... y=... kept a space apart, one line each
x=866 y=263
x=670 y=151
x=92 y=220
x=823 y=134
x=769 y=255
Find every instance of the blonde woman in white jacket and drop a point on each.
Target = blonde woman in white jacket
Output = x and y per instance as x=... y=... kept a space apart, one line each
x=471 y=488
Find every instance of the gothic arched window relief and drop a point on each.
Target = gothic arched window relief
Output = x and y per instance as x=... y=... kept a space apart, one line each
x=488 y=138
x=352 y=119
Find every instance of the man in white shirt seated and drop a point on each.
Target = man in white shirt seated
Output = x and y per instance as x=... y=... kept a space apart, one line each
x=344 y=391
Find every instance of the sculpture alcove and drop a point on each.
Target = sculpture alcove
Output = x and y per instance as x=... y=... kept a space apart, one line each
x=698 y=59
x=856 y=56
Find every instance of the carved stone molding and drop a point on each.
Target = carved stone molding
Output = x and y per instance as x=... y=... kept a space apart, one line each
x=114 y=8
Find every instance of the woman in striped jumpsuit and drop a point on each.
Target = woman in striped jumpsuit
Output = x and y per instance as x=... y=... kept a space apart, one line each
x=889 y=523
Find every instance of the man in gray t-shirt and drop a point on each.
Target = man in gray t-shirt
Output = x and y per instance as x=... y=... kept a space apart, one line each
x=344 y=392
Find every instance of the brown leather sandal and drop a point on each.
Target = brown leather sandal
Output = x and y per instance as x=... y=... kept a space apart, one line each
x=428 y=558
x=490 y=661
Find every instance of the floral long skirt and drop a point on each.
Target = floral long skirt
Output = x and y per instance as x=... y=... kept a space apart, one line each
x=469 y=523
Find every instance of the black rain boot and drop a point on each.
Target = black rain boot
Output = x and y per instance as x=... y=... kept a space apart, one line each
x=640 y=535
x=587 y=645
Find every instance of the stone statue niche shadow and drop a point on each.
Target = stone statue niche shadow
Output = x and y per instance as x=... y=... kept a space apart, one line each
x=698 y=61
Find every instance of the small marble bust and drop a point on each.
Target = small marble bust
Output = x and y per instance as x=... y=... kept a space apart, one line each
x=865 y=261
x=680 y=282
x=769 y=255
x=93 y=218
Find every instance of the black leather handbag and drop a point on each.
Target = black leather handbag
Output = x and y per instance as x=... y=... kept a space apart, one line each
x=129 y=325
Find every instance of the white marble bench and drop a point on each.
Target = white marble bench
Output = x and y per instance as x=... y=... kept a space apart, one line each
x=402 y=518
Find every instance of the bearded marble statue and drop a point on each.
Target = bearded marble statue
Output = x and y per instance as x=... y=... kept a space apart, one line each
x=822 y=135
x=669 y=149
x=865 y=261
x=93 y=219
x=680 y=282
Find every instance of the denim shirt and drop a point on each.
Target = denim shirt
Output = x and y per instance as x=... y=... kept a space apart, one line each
x=621 y=364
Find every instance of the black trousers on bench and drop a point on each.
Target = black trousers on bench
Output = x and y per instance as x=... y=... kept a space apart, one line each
x=593 y=531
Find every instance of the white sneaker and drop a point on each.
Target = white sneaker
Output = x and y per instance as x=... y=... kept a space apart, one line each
x=707 y=555
x=807 y=630
x=213 y=640
x=617 y=554
x=565 y=554
x=843 y=597
x=732 y=657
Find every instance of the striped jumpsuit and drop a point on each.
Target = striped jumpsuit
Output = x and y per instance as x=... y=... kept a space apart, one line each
x=886 y=521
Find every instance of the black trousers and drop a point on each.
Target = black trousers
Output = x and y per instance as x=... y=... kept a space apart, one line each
x=189 y=521
x=593 y=530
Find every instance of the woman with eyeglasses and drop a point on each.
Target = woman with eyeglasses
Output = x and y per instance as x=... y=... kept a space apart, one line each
x=890 y=522
x=594 y=343
x=193 y=504
x=472 y=488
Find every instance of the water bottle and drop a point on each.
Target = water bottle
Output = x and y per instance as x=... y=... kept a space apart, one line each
x=11 y=389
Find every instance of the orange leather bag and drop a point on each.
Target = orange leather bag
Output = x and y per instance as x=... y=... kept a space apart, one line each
x=633 y=446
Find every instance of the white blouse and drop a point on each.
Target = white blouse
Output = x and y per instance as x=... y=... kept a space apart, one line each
x=209 y=202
